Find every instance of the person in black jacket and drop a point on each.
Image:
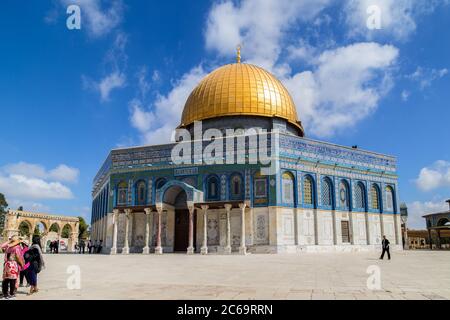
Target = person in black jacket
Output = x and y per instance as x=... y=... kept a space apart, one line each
x=385 y=246
x=35 y=258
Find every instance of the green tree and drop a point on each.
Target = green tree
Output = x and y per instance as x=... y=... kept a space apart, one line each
x=3 y=206
x=24 y=229
x=37 y=232
x=83 y=229
x=65 y=233
x=54 y=228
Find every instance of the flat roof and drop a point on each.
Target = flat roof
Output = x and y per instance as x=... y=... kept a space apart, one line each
x=436 y=214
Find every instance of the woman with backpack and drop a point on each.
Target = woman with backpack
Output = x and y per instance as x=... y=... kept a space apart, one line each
x=35 y=258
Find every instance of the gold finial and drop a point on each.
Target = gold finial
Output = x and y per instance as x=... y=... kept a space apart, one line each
x=238 y=57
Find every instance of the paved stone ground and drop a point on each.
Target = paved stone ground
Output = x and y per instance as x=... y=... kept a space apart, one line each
x=409 y=275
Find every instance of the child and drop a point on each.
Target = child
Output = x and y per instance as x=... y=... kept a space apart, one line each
x=10 y=274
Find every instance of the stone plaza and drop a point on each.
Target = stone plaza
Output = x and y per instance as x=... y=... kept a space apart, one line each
x=414 y=275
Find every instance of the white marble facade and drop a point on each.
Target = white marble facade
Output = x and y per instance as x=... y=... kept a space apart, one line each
x=267 y=230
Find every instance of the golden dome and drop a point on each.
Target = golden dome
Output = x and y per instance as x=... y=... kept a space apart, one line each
x=239 y=89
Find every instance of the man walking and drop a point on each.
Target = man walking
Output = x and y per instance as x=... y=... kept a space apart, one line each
x=100 y=246
x=89 y=246
x=385 y=246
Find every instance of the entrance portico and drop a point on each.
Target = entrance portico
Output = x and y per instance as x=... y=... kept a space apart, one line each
x=177 y=222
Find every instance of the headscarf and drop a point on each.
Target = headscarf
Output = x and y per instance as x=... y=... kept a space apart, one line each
x=37 y=245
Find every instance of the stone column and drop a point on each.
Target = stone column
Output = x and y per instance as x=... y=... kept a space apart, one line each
x=316 y=228
x=367 y=228
x=115 y=223
x=148 y=213
x=381 y=225
x=204 y=249
x=333 y=220
x=438 y=244
x=350 y=231
x=398 y=229
x=228 y=246
x=430 y=239
x=126 y=248
x=242 y=248
x=251 y=231
x=190 y=249
x=73 y=239
x=159 y=249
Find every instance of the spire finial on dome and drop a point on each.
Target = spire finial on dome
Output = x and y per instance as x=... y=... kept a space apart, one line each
x=238 y=57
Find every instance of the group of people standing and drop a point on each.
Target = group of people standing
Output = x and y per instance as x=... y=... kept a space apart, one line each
x=92 y=246
x=54 y=246
x=21 y=262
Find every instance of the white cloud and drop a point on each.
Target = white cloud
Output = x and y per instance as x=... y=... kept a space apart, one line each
x=345 y=84
x=99 y=17
x=140 y=119
x=64 y=173
x=435 y=176
x=398 y=17
x=23 y=181
x=19 y=186
x=259 y=26
x=417 y=209
x=116 y=59
x=26 y=169
x=344 y=88
x=28 y=205
x=425 y=76
x=157 y=122
x=115 y=80
x=405 y=95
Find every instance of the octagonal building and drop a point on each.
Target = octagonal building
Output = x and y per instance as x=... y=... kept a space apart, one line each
x=319 y=197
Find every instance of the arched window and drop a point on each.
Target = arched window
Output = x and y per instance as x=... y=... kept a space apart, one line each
x=260 y=186
x=327 y=195
x=360 y=196
x=122 y=193
x=308 y=192
x=375 y=197
x=288 y=188
x=443 y=222
x=160 y=183
x=236 y=186
x=389 y=199
x=344 y=195
x=140 y=193
x=212 y=188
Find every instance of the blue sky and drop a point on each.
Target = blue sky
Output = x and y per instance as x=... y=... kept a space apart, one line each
x=69 y=96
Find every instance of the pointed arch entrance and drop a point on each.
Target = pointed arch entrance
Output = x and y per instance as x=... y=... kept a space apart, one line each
x=181 y=225
x=180 y=197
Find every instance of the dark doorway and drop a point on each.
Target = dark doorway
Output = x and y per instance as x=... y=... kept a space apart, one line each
x=182 y=230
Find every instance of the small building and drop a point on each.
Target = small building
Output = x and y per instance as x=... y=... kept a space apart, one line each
x=438 y=227
x=418 y=239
